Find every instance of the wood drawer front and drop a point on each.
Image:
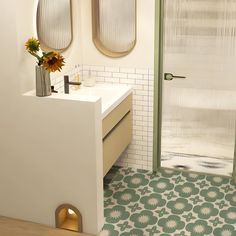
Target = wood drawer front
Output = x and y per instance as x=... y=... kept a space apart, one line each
x=116 y=115
x=116 y=142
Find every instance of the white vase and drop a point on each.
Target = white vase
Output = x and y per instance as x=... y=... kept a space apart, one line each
x=43 y=82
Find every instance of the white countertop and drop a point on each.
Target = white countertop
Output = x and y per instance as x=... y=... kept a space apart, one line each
x=110 y=95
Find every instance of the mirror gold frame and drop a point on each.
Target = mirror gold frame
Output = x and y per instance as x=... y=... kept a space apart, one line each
x=58 y=37
x=95 y=31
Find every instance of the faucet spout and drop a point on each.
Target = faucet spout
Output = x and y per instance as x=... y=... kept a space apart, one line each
x=67 y=84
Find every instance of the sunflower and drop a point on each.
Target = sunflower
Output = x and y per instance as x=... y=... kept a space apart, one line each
x=53 y=62
x=32 y=45
x=50 y=61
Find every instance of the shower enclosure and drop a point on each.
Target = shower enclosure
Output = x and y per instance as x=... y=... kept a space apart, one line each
x=198 y=87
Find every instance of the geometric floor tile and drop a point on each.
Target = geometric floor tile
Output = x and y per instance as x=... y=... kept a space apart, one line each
x=168 y=203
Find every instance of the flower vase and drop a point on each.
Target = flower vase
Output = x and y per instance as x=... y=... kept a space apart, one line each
x=43 y=82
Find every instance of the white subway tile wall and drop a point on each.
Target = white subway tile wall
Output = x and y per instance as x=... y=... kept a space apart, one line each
x=139 y=152
x=58 y=81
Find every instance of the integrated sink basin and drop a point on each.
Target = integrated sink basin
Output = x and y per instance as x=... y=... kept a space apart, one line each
x=111 y=95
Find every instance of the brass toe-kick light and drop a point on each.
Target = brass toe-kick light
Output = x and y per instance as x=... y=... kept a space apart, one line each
x=68 y=217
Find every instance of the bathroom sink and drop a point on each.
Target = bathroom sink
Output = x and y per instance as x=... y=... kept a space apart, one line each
x=111 y=95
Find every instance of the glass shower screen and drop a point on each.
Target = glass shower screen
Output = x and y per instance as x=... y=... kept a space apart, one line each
x=198 y=124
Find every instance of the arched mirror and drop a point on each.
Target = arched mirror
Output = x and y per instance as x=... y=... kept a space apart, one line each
x=54 y=24
x=114 y=26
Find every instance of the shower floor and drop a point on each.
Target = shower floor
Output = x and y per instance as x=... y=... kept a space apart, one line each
x=204 y=164
x=198 y=140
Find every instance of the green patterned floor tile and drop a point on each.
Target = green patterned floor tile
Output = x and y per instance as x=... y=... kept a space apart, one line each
x=168 y=203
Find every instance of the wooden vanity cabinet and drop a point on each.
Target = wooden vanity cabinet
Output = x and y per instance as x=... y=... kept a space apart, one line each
x=117 y=133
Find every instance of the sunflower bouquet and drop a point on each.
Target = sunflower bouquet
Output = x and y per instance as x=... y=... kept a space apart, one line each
x=50 y=61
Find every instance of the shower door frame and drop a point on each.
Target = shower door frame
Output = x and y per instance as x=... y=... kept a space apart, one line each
x=158 y=90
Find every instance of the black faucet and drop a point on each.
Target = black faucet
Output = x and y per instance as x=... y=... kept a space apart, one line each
x=67 y=84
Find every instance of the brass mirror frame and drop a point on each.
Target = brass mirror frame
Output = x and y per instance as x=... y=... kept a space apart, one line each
x=96 y=40
x=43 y=43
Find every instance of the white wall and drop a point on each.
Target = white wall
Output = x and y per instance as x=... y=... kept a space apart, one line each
x=47 y=160
x=135 y=69
x=28 y=177
x=45 y=153
x=140 y=57
x=26 y=28
x=9 y=84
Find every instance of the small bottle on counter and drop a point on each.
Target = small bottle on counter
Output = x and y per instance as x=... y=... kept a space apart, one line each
x=89 y=80
x=75 y=77
x=76 y=74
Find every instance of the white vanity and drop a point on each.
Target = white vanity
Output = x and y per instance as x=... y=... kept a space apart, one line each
x=116 y=118
x=72 y=138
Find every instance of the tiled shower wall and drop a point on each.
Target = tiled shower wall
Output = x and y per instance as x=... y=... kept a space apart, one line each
x=139 y=152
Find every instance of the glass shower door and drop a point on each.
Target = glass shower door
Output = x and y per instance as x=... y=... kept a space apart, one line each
x=198 y=117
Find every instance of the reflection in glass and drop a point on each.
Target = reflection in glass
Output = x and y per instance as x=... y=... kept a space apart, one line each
x=54 y=23
x=114 y=26
x=199 y=112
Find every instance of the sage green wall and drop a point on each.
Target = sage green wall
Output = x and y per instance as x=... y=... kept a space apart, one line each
x=157 y=85
x=234 y=171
